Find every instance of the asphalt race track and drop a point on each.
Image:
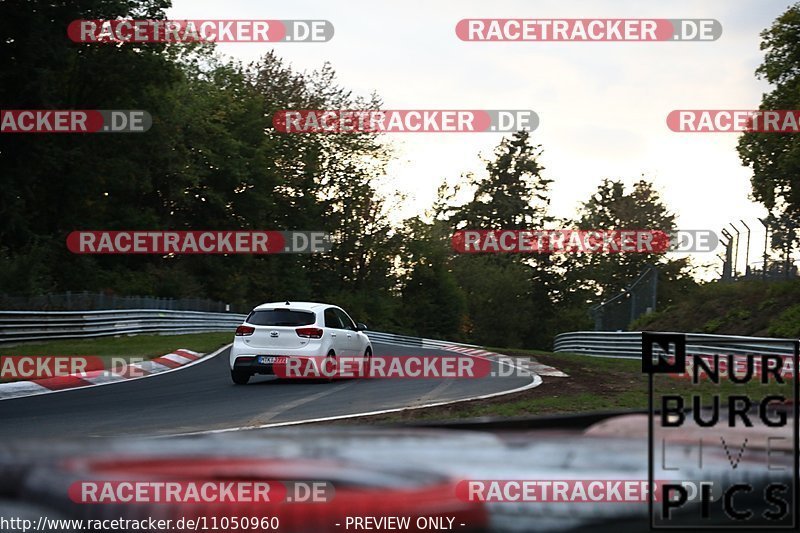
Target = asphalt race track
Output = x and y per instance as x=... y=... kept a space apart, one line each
x=203 y=398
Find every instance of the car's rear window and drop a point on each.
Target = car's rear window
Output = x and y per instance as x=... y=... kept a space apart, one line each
x=281 y=317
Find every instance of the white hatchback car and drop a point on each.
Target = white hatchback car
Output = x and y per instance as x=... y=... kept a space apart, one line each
x=275 y=332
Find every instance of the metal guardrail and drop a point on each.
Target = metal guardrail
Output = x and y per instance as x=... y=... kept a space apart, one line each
x=20 y=326
x=628 y=344
x=100 y=301
x=412 y=342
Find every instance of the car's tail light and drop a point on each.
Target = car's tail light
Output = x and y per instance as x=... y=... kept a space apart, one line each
x=243 y=331
x=309 y=333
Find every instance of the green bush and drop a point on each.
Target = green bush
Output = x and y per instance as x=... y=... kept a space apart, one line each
x=787 y=324
x=712 y=325
x=643 y=321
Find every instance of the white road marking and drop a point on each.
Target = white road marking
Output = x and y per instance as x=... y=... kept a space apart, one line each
x=535 y=382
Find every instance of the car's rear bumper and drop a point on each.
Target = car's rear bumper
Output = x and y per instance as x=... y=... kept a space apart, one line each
x=251 y=366
x=241 y=352
x=249 y=362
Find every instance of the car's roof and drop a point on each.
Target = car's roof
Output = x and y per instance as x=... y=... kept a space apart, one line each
x=308 y=306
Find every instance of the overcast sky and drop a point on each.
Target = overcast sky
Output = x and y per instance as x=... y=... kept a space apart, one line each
x=602 y=105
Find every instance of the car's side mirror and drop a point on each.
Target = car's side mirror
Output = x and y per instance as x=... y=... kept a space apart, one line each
x=360 y=326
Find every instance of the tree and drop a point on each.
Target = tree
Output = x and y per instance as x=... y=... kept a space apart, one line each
x=212 y=160
x=433 y=304
x=513 y=194
x=53 y=184
x=774 y=157
x=783 y=232
x=508 y=296
x=612 y=207
x=327 y=182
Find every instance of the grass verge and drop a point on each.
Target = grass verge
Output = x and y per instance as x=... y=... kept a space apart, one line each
x=594 y=384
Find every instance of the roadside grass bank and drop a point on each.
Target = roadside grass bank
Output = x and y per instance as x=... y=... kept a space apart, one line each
x=594 y=384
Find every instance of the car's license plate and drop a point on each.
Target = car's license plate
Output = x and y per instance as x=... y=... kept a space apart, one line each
x=271 y=359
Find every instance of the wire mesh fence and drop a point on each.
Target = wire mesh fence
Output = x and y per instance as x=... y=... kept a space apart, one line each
x=772 y=270
x=637 y=299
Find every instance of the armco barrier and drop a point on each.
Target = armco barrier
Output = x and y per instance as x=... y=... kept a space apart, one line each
x=21 y=326
x=628 y=344
x=412 y=342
